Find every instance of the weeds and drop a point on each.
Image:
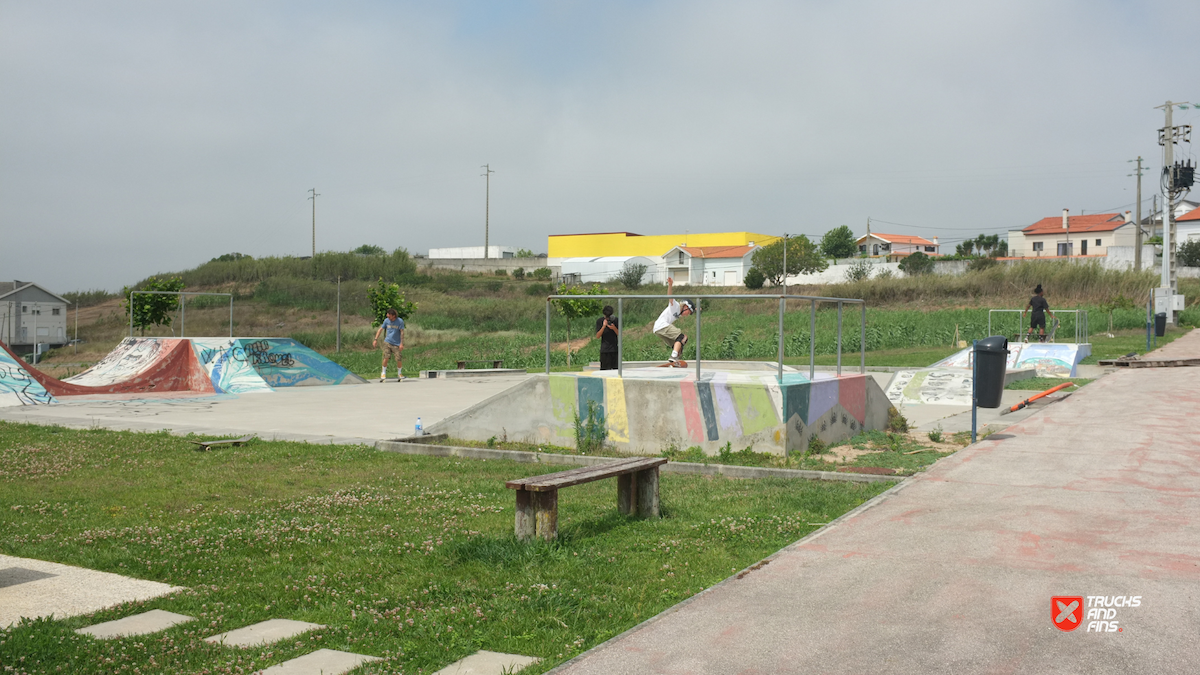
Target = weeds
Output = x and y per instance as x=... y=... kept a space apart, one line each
x=591 y=432
x=936 y=435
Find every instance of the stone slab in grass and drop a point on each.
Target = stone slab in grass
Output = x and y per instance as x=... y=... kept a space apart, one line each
x=265 y=632
x=137 y=624
x=62 y=590
x=320 y=662
x=484 y=662
x=11 y=576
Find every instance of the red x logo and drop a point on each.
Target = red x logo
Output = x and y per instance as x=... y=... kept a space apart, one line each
x=1066 y=611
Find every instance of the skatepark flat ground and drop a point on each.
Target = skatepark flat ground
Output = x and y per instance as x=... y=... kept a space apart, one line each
x=349 y=413
x=954 y=570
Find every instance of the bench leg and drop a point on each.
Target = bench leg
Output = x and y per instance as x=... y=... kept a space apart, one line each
x=627 y=494
x=647 y=493
x=525 y=523
x=546 y=514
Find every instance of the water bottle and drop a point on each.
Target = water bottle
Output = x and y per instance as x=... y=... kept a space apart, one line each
x=420 y=430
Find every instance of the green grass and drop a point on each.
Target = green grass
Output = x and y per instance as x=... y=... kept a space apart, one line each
x=406 y=557
x=1126 y=341
x=1035 y=384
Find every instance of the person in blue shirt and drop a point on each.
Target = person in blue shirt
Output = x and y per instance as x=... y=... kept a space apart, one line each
x=393 y=343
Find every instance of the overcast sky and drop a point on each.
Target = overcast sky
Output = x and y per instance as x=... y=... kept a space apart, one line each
x=146 y=137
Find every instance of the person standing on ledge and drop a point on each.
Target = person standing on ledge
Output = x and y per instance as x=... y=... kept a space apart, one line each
x=393 y=343
x=665 y=328
x=1038 y=319
x=606 y=331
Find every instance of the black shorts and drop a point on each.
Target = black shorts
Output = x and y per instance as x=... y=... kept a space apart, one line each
x=1038 y=321
x=608 y=360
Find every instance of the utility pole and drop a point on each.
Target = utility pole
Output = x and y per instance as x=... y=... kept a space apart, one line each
x=785 y=263
x=487 y=204
x=1168 y=136
x=314 y=201
x=1137 y=232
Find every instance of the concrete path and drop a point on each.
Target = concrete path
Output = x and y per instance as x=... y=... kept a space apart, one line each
x=955 y=570
x=362 y=413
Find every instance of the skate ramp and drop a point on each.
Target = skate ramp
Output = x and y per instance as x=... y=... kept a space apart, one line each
x=17 y=384
x=1050 y=359
x=241 y=365
x=654 y=409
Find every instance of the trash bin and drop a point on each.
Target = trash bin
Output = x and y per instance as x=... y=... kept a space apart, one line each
x=991 y=360
x=1160 y=324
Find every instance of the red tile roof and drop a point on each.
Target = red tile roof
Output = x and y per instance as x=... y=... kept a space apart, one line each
x=900 y=239
x=717 y=251
x=1190 y=216
x=1096 y=222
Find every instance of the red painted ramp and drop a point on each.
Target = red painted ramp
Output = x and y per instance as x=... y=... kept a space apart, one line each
x=174 y=369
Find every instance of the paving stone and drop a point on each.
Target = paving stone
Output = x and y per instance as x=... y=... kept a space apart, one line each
x=11 y=576
x=137 y=624
x=320 y=662
x=271 y=630
x=484 y=662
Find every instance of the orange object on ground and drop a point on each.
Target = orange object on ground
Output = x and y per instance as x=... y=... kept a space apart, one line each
x=1027 y=401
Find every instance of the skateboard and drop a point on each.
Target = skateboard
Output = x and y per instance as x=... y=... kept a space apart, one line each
x=678 y=364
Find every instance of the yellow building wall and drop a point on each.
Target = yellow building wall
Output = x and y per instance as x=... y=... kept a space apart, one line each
x=620 y=244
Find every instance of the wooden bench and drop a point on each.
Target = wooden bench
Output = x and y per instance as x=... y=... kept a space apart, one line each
x=537 y=497
x=496 y=363
x=207 y=445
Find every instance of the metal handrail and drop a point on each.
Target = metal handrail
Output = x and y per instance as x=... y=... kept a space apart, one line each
x=182 y=306
x=1082 y=329
x=782 y=298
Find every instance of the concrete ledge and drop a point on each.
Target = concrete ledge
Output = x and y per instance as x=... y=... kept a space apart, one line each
x=1011 y=376
x=729 y=470
x=472 y=372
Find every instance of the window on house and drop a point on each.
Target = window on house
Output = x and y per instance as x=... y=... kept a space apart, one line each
x=1038 y=246
x=25 y=309
x=1097 y=242
x=929 y=249
x=55 y=311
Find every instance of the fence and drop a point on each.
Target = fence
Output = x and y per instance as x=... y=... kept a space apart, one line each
x=182 y=307
x=812 y=343
x=1082 y=332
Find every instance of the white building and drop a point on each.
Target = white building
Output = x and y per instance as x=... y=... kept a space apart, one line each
x=710 y=265
x=467 y=252
x=605 y=269
x=1067 y=235
x=1187 y=226
x=30 y=313
x=895 y=247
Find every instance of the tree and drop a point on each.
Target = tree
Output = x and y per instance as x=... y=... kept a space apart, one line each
x=965 y=249
x=802 y=258
x=859 y=270
x=839 y=243
x=231 y=257
x=1112 y=304
x=152 y=310
x=1002 y=250
x=524 y=253
x=631 y=274
x=1188 y=253
x=754 y=279
x=388 y=296
x=916 y=264
x=576 y=309
x=368 y=249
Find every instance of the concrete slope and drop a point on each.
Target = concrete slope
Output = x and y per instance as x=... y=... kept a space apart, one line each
x=17 y=385
x=955 y=571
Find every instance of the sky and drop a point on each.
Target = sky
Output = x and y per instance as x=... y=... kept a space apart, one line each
x=147 y=137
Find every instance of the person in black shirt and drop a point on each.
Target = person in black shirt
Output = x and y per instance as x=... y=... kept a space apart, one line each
x=606 y=330
x=1037 y=319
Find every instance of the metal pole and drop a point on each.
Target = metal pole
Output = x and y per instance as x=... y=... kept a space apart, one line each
x=1137 y=231
x=974 y=386
x=620 y=341
x=839 y=363
x=36 y=308
x=697 y=339
x=182 y=314
x=779 y=368
x=785 y=263
x=862 y=345
x=339 y=315
x=76 y=327
x=231 y=315
x=548 y=336
x=812 y=342
x=131 y=294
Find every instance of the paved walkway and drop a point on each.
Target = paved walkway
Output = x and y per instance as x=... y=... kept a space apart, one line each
x=954 y=571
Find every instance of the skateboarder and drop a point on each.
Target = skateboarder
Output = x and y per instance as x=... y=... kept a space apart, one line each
x=665 y=328
x=393 y=343
x=1037 y=319
x=606 y=330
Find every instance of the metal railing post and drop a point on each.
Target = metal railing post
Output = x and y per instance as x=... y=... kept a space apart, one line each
x=231 y=315
x=548 y=336
x=779 y=369
x=839 y=361
x=812 y=342
x=620 y=341
x=697 y=339
x=862 y=345
x=131 y=294
x=182 y=315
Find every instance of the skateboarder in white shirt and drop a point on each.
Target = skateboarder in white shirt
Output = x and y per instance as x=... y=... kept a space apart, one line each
x=665 y=328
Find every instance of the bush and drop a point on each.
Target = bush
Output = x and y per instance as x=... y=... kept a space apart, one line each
x=542 y=274
x=860 y=270
x=631 y=274
x=519 y=273
x=896 y=421
x=385 y=296
x=884 y=275
x=754 y=279
x=1188 y=253
x=501 y=273
x=917 y=264
x=539 y=289
x=981 y=264
x=368 y=249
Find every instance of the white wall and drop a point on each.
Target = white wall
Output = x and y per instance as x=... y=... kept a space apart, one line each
x=472 y=252
x=836 y=274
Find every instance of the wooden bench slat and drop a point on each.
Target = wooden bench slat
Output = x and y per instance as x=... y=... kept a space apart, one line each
x=563 y=479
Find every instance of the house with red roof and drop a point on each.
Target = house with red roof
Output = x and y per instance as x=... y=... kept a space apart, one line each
x=710 y=265
x=895 y=247
x=1187 y=226
x=1067 y=235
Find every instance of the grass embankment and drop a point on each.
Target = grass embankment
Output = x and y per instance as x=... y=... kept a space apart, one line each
x=409 y=558
x=910 y=321
x=1036 y=384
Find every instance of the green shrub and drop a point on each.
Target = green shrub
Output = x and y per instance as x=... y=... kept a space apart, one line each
x=542 y=274
x=501 y=273
x=860 y=270
x=539 y=289
x=754 y=279
x=896 y=421
x=1188 y=253
x=519 y=273
x=917 y=264
x=631 y=274
x=979 y=264
x=591 y=432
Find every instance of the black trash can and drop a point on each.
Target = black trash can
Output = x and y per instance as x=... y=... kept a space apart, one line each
x=1160 y=324
x=991 y=361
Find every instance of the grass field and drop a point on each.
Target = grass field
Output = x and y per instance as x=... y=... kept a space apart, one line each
x=406 y=557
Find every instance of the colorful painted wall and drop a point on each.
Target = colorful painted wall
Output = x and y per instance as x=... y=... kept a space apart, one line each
x=17 y=386
x=1050 y=359
x=648 y=413
x=628 y=244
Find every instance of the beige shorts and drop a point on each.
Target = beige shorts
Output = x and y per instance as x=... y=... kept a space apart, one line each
x=669 y=334
x=390 y=349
